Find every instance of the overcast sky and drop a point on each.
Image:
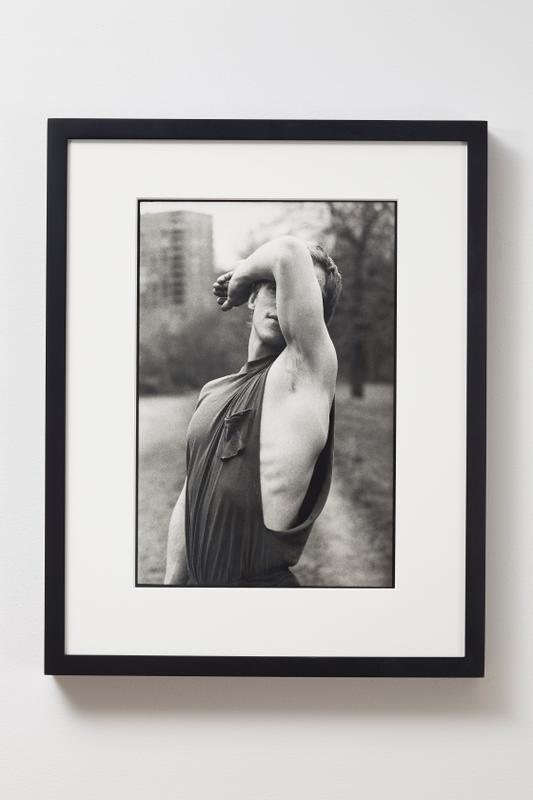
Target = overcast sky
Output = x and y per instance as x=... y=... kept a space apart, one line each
x=231 y=222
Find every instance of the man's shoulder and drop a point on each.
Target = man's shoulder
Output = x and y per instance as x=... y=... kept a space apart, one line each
x=211 y=386
x=213 y=383
x=298 y=408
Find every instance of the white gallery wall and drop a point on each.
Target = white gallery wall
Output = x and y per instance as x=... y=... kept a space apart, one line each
x=266 y=738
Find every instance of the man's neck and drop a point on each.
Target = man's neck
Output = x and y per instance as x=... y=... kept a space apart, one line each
x=258 y=349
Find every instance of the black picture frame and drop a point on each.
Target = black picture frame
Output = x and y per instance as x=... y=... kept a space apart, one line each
x=60 y=132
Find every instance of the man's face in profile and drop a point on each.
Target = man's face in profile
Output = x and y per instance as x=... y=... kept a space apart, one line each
x=265 y=316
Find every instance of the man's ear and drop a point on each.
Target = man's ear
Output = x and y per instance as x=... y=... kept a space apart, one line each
x=251 y=300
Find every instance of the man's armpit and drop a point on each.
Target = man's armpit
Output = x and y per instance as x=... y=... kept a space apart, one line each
x=312 y=365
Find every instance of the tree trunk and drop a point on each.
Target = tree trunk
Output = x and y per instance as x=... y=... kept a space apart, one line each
x=357 y=370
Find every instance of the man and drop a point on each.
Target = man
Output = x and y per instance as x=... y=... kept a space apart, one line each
x=260 y=443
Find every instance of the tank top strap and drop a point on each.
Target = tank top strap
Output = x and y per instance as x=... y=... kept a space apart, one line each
x=249 y=394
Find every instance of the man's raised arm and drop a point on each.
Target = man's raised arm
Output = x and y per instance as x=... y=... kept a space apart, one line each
x=287 y=261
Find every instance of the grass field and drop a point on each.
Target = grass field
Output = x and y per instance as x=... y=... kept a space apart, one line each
x=351 y=543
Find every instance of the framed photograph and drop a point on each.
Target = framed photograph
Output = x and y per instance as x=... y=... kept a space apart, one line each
x=265 y=422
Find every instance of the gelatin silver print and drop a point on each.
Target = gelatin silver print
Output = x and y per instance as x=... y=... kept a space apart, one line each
x=266 y=397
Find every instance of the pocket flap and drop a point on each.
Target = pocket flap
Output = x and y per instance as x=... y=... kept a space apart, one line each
x=234 y=434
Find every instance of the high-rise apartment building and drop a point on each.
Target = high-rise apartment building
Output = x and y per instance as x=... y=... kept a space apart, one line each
x=176 y=261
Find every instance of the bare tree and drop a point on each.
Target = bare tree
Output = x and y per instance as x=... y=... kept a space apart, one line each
x=363 y=246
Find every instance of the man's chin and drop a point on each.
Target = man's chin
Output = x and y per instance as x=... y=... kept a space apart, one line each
x=274 y=343
x=274 y=338
x=270 y=335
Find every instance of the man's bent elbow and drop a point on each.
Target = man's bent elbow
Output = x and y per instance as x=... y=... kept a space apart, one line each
x=292 y=247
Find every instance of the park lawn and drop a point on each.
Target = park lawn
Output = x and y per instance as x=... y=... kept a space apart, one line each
x=364 y=456
x=163 y=423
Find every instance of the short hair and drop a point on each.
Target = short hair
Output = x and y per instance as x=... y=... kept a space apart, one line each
x=332 y=285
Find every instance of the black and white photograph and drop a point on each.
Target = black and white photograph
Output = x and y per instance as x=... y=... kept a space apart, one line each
x=266 y=393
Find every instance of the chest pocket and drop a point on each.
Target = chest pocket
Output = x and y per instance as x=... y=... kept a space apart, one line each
x=234 y=434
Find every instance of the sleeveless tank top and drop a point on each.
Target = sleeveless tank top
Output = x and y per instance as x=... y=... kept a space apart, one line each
x=227 y=541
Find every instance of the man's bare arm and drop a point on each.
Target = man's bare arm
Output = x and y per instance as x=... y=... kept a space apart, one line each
x=286 y=261
x=176 y=569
